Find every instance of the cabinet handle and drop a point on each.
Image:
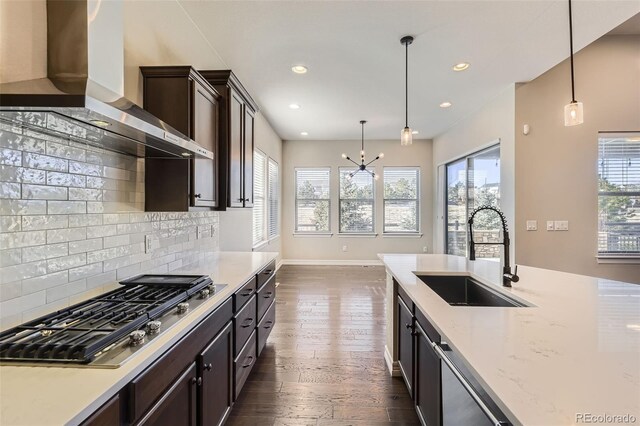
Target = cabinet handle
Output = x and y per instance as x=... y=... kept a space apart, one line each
x=247 y=294
x=208 y=367
x=250 y=362
x=199 y=381
x=268 y=326
x=247 y=324
x=267 y=272
x=268 y=295
x=197 y=195
x=408 y=326
x=246 y=199
x=194 y=380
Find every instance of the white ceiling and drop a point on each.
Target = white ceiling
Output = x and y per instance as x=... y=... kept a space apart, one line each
x=356 y=61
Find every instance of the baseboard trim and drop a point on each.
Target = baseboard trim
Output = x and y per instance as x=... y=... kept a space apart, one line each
x=394 y=368
x=321 y=262
x=279 y=265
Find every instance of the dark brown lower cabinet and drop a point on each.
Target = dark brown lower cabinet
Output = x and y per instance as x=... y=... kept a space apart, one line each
x=427 y=385
x=244 y=363
x=215 y=364
x=107 y=415
x=405 y=343
x=178 y=405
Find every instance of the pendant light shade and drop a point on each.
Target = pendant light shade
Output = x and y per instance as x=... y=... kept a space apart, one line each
x=406 y=136
x=574 y=110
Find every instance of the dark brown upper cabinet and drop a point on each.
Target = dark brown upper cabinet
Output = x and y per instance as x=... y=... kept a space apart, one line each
x=182 y=98
x=237 y=118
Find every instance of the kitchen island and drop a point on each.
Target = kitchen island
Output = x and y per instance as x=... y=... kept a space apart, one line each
x=50 y=395
x=573 y=352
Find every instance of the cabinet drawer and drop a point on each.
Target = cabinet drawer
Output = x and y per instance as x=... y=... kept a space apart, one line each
x=244 y=363
x=266 y=274
x=266 y=296
x=244 y=323
x=427 y=327
x=265 y=326
x=243 y=295
x=107 y=415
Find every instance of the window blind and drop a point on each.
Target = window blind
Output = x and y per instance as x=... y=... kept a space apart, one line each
x=259 y=195
x=312 y=200
x=401 y=199
x=619 y=195
x=274 y=198
x=356 y=202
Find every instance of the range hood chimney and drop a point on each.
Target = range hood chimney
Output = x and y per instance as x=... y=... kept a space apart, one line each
x=82 y=95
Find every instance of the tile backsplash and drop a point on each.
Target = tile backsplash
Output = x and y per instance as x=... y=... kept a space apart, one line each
x=72 y=223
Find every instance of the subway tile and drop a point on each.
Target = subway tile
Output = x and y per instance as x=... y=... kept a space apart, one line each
x=22 y=271
x=116 y=240
x=22 y=304
x=81 y=168
x=21 y=175
x=84 y=246
x=43 y=192
x=128 y=271
x=65 y=235
x=100 y=183
x=65 y=151
x=44 y=282
x=106 y=254
x=48 y=251
x=115 y=218
x=66 y=207
x=66 y=290
x=10 y=190
x=114 y=173
x=10 y=257
x=76 y=220
x=21 y=143
x=22 y=207
x=66 y=179
x=35 y=118
x=10 y=157
x=37 y=223
x=62 y=125
x=44 y=309
x=101 y=231
x=102 y=279
x=45 y=162
x=66 y=262
x=10 y=290
x=85 y=194
x=22 y=239
x=10 y=127
x=85 y=271
x=134 y=228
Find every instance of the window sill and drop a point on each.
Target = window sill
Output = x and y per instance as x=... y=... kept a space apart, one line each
x=402 y=234
x=619 y=259
x=357 y=235
x=260 y=245
x=312 y=234
x=275 y=237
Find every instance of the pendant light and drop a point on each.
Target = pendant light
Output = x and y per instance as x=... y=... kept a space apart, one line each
x=406 y=137
x=362 y=166
x=573 y=111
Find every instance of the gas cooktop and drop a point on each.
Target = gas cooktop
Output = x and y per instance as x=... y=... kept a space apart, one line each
x=106 y=330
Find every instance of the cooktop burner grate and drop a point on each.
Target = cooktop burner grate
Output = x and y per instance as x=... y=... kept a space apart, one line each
x=77 y=333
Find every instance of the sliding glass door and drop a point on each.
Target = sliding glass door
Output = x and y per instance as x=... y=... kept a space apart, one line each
x=473 y=181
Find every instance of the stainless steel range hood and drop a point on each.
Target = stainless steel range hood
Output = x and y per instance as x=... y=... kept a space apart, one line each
x=81 y=96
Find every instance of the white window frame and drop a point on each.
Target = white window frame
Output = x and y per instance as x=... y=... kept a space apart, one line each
x=346 y=170
x=417 y=200
x=270 y=198
x=326 y=232
x=262 y=239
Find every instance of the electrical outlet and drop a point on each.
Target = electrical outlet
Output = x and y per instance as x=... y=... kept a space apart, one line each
x=532 y=225
x=150 y=243
x=203 y=231
x=344 y=248
x=424 y=249
x=561 y=225
x=550 y=225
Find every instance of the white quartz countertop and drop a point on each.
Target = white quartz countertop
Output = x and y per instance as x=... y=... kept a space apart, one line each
x=576 y=350
x=37 y=395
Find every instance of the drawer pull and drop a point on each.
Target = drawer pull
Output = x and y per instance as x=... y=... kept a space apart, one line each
x=247 y=323
x=268 y=272
x=247 y=294
x=270 y=323
x=199 y=381
x=268 y=295
x=208 y=367
x=251 y=358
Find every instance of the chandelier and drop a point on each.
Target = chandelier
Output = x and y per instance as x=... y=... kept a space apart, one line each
x=362 y=166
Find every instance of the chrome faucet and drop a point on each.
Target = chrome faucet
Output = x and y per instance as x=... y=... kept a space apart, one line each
x=507 y=276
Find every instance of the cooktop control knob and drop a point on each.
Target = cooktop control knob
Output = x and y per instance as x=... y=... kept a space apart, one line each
x=204 y=293
x=154 y=327
x=136 y=337
x=212 y=289
x=183 y=307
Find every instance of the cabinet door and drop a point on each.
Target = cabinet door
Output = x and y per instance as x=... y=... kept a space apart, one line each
x=405 y=344
x=205 y=133
x=216 y=366
x=427 y=385
x=107 y=415
x=248 y=156
x=236 y=117
x=177 y=406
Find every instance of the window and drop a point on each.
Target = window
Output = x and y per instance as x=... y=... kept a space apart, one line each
x=356 y=202
x=401 y=212
x=274 y=198
x=259 y=197
x=619 y=195
x=473 y=181
x=312 y=200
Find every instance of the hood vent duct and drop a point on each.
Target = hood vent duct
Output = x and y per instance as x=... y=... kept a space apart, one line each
x=82 y=95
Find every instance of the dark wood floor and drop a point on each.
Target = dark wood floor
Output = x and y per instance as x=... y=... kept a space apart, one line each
x=323 y=363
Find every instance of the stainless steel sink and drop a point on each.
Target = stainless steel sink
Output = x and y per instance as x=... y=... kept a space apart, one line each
x=462 y=290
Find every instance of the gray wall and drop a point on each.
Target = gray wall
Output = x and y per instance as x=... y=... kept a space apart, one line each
x=328 y=153
x=557 y=166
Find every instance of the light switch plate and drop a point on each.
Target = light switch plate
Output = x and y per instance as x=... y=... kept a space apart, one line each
x=203 y=231
x=151 y=243
x=561 y=225
x=550 y=225
x=532 y=225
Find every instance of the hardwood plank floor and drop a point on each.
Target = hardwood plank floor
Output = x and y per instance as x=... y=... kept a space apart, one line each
x=324 y=361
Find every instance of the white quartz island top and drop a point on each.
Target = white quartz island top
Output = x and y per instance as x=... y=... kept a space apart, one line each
x=575 y=350
x=37 y=395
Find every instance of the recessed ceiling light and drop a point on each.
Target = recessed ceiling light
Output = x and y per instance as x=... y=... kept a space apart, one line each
x=294 y=106
x=100 y=123
x=186 y=154
x=415 y=132
x=304 y=133
x=299 y=69
x=445 y=105
x=461 y=66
